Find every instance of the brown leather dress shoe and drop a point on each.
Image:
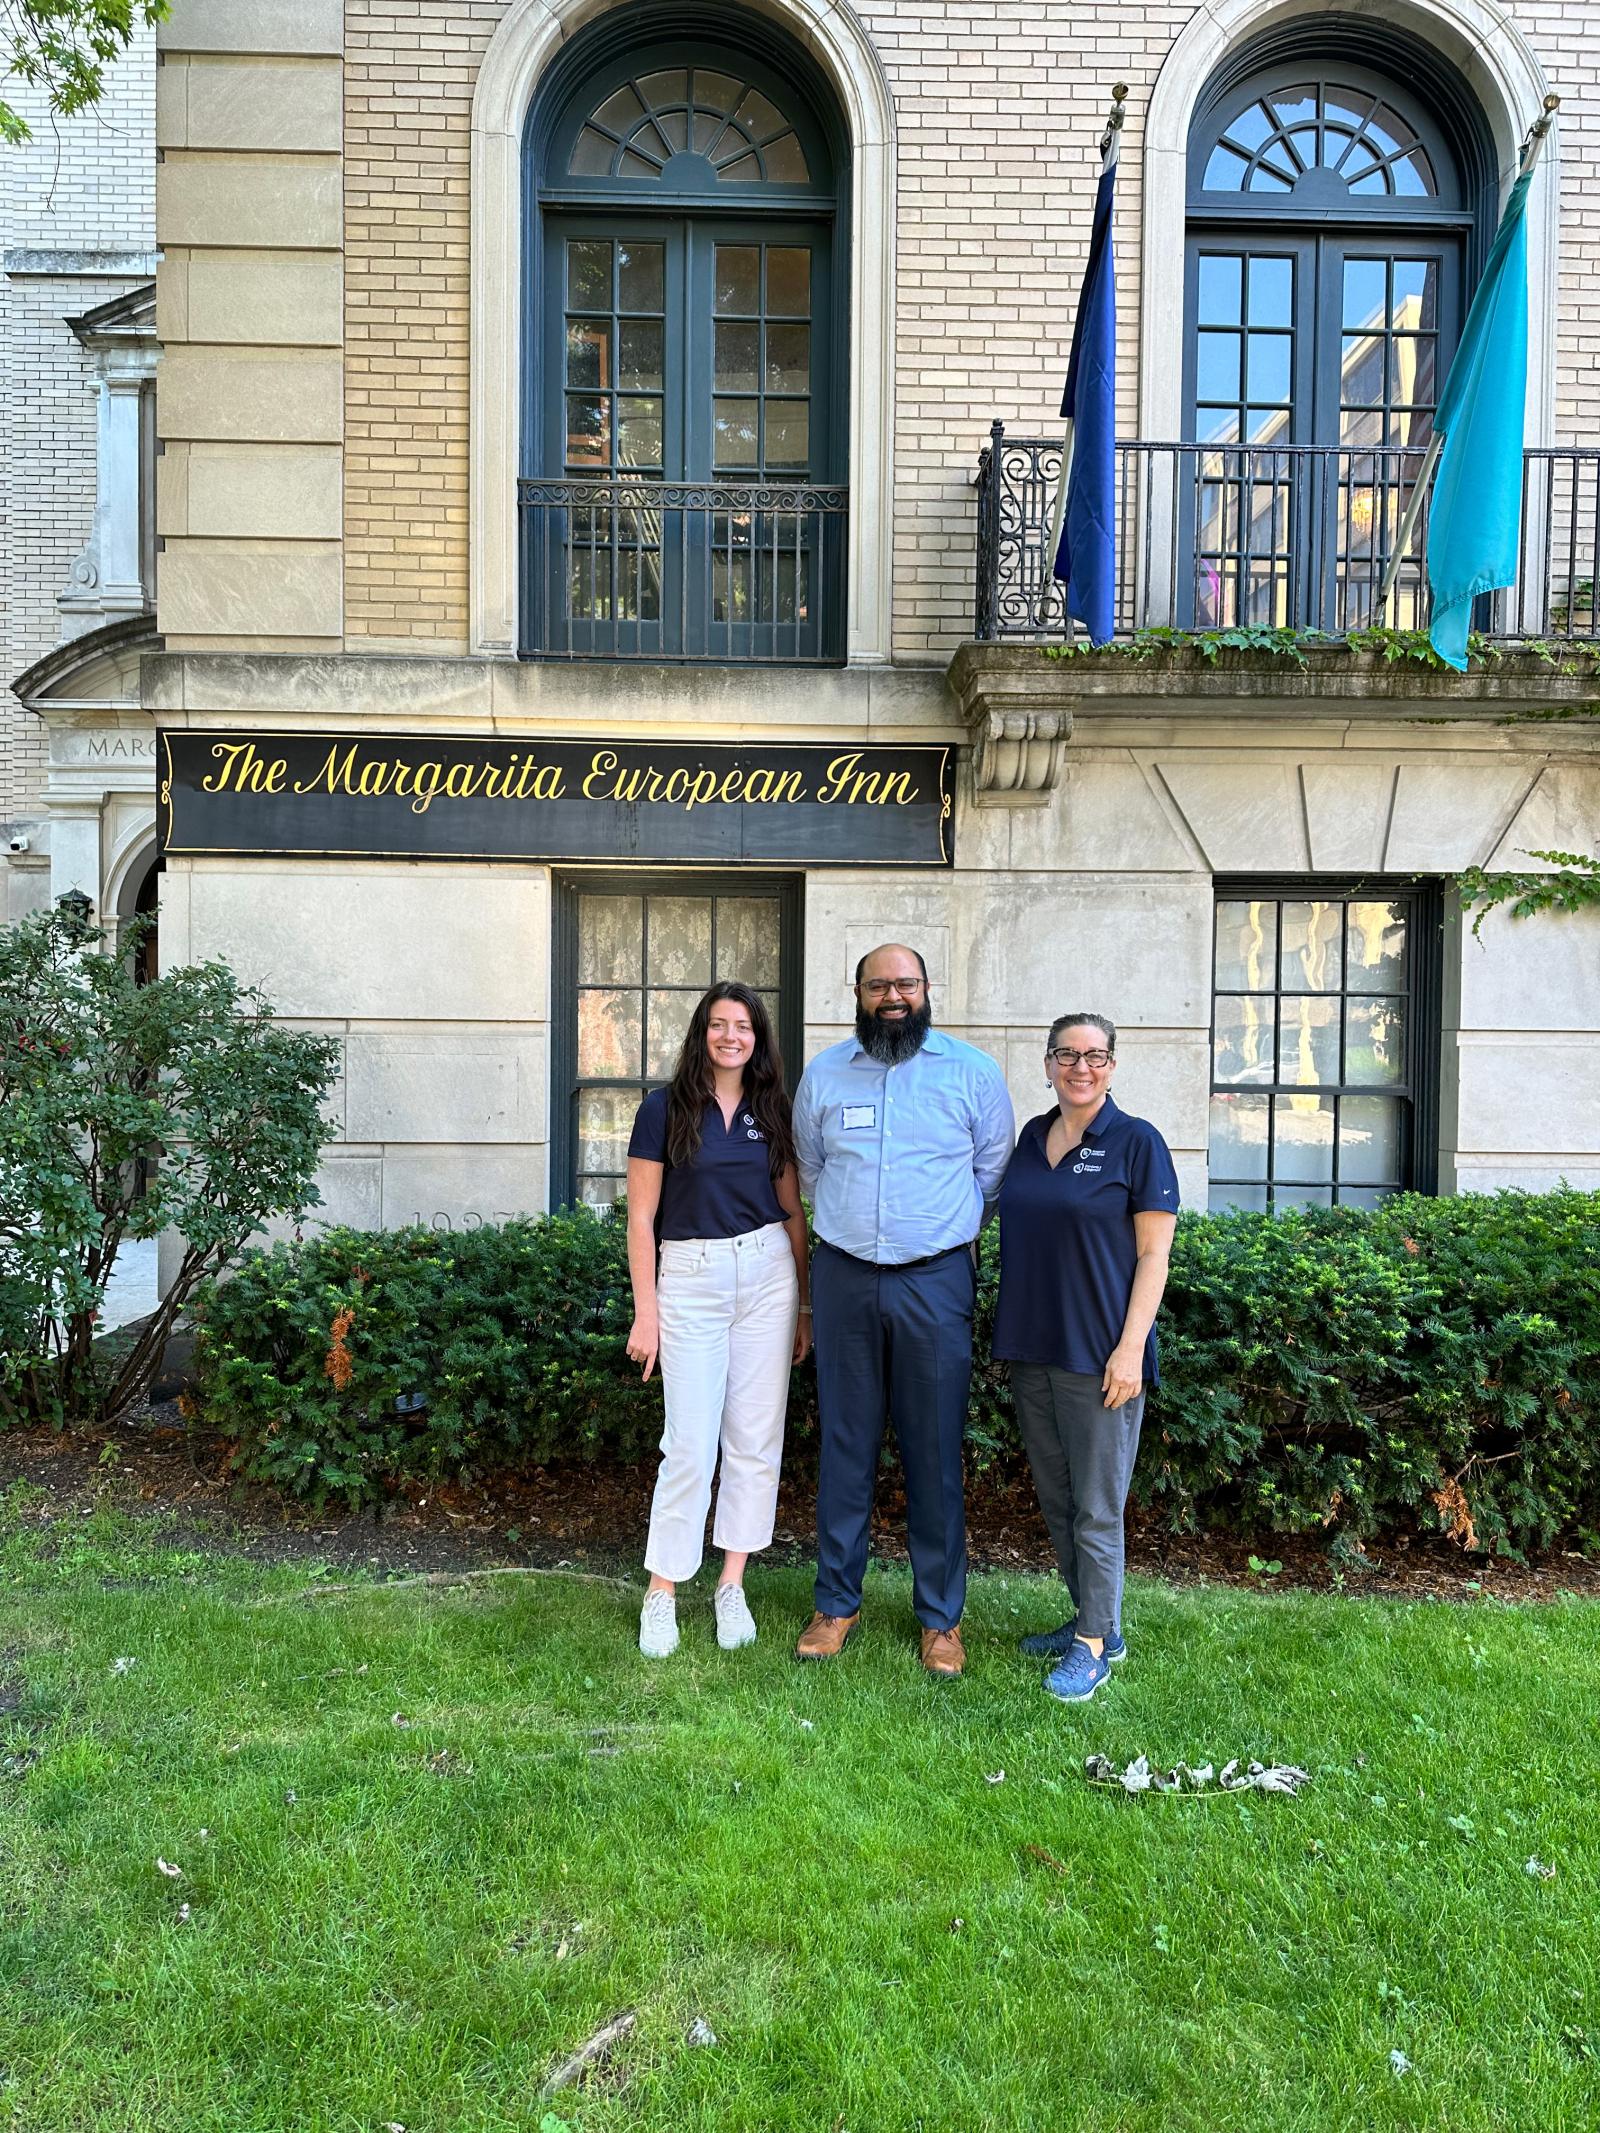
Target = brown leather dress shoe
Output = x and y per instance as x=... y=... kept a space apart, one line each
x=943 y=1651
x=825 y=1636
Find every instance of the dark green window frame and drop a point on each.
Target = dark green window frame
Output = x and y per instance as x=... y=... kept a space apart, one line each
x=566 y=888
x=1416 y=1088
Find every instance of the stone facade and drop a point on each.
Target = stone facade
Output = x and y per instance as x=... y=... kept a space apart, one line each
x=340 y=222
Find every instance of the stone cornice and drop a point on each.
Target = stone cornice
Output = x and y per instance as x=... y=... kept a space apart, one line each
x=1172 y=680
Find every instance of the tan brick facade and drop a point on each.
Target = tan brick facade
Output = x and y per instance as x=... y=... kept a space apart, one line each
x=409 y=75
x=998 y=112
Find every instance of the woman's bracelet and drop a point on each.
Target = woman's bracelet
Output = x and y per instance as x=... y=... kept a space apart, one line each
x=805 y=1310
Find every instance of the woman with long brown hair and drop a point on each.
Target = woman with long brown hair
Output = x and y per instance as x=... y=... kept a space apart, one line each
x=717 y=1256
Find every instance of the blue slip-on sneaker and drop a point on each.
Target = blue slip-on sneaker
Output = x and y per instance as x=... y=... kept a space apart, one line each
x=1077 y=1676
x=1056 y=1643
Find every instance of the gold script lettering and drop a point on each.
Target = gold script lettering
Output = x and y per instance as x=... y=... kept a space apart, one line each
x=242 y=769
x=764 y=786
x=600 y=763
x=871 y=788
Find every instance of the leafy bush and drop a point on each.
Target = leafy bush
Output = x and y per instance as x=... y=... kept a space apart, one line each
x=100 y=1075
x=1435 y=1360
x=349 y=1361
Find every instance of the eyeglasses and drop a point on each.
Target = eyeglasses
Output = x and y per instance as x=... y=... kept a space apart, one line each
x=875 y=988
x=1065 y=1056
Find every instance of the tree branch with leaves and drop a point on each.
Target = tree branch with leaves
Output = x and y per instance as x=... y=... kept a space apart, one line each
x=64 y=48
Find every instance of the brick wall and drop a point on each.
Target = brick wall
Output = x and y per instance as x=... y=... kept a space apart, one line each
x=409 y=75
x=85 y=185
x=999 y=105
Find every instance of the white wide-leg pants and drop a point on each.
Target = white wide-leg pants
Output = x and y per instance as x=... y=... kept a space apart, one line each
x=728 y=1308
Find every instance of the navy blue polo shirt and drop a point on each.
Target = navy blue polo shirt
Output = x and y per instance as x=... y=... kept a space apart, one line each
x=727 y=1190
x=1067 y=1249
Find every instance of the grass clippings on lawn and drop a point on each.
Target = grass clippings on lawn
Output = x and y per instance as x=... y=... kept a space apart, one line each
x=429 y=1840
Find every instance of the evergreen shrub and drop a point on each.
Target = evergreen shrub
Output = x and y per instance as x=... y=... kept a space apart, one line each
x=1434 y=1361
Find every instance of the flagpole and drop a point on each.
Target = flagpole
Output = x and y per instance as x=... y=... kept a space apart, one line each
x=1110 y=150
x=1537 y=133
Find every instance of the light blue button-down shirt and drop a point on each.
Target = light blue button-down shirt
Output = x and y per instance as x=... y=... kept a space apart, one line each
x=902 y=1161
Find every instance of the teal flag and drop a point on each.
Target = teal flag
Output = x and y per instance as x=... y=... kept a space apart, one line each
x=1477 y=498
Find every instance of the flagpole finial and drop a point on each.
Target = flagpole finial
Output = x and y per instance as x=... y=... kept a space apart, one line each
x=1114 y=118
x=1535 y=137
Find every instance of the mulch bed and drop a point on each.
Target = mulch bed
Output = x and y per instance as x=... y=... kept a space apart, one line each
x=595 y=1517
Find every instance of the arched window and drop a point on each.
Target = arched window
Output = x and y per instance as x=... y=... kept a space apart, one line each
x=1334 y=217
x=685 y=429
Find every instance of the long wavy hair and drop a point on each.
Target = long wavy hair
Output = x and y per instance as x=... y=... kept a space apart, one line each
x=694 y=1084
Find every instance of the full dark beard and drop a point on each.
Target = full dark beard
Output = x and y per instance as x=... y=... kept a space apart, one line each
x=891 y=1042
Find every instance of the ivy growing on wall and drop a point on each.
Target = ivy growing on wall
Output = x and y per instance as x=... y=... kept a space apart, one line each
x=1294 y=645
x=1574 y=885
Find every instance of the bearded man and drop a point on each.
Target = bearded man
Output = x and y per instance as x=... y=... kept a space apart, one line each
x=903 y=1135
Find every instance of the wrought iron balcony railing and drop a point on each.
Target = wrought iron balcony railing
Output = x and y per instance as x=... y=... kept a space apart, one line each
x=1293 y=537
x=628 y=567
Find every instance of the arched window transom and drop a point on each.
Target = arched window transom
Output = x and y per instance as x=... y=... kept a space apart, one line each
x=1271 y=144
x=696 y=113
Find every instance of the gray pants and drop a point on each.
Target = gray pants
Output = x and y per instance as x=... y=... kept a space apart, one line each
x=1082 y=1456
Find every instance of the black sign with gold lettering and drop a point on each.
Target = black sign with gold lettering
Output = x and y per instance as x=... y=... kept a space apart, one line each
x=457 y=796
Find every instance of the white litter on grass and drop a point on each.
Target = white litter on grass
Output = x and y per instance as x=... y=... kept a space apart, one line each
x=173 y=1873
x=701 y=2032
x=994 y=1777
x=1399 y=2064
x=1538 y=1871
x=1234 y=1776
x=184 y=1914
x=123 y=1665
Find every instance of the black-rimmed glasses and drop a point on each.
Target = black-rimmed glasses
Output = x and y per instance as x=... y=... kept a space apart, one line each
x=1065 y=1056
x=876 y=988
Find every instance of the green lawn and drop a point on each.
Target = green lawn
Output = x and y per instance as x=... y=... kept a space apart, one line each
x=410 y=1925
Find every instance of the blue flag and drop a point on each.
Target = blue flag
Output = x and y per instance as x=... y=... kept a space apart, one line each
x=1477 y=499
x=1086 y=556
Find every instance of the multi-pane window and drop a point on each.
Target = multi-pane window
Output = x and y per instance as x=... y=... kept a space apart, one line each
x=1328 y=229
x=639 y=959
x=680 y=496
x=1323 y=1038
x=615 y=354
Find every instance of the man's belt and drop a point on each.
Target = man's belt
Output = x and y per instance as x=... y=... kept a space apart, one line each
x=897 y=1266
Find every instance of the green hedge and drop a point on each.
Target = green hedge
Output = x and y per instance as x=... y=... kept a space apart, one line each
x=1437 y=1360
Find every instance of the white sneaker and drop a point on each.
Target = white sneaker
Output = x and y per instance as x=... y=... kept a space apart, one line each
x=736 y=1626
x=658 y=1625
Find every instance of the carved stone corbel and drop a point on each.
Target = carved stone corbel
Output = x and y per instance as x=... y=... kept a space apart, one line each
x=1019 y=719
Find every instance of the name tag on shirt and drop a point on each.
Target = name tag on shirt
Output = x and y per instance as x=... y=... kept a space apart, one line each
x=859 y=1118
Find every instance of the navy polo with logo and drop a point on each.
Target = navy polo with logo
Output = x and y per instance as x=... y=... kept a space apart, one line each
x=727 y=1190
x=1067 y=1248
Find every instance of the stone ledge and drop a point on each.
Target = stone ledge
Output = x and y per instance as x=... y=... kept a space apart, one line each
x=1024 y=681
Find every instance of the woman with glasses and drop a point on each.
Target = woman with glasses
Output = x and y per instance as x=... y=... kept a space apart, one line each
x=1087 y=1212
x=711 y=1175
